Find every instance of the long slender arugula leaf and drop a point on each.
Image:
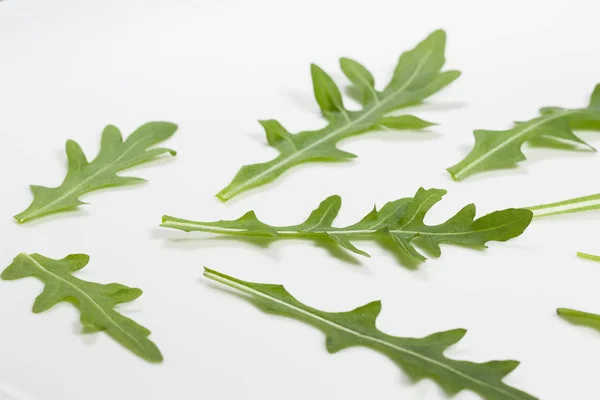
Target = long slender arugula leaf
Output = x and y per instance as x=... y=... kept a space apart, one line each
x=577 y=204
x=82 y=176
x=416 y=77
x=96 y=301
x=400 y=220
x=501 y=149
x=419 y=357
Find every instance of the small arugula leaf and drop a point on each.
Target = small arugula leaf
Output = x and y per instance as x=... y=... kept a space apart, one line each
x=83 y=176
x=419 y=357
x=417 y=76
x=401 y=220
x=502 y=149
x=96 y=301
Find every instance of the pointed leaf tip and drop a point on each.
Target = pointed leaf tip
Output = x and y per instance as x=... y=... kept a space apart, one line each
x=275 y=132
x=595 y=98
x=326 y=92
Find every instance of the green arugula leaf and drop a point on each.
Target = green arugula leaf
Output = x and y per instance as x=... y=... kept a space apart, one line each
x=416 y=77
x=96 y=301
x=419 y=357
x=401 y=220
x=501 y=149
x=82 y=176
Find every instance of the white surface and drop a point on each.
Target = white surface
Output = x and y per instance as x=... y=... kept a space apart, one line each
x=69 y=67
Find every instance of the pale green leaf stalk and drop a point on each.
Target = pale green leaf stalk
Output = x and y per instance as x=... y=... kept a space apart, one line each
x=577 y=204
x=96 y=301
x=587 y=256
x=580 y=317
x=83 y=176
x=502 y=149
x=418 y=75
x=400 y=220
x=419 y=357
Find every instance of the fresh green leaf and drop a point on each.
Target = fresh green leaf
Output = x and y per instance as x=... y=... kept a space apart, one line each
x=401 y=220
x=502 y=149
x=82 y=176
x=96 y=301
x=417 y=76
x=419 y=357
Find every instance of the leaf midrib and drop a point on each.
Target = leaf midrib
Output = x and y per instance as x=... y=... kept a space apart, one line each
x=333 y=231
x=288 y=159
x=74 y=189
x=320 y=221
x=91 y=299
x=423 y=204
x=308 y=314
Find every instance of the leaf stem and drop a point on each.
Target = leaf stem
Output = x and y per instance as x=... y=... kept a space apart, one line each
x=587 y=256
x=291 y=232
x=571 y=313
x=577 y=204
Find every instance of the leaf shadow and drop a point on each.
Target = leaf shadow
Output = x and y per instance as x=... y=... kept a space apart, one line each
x=434 y=106
x=67 y=213
x=544 y=142
x=303 y=100
x=263 y=242
x=86 y=334
x=398 y=136
x=401 y=257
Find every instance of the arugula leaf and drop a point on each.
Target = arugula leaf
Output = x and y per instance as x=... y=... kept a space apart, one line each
x=82 y=176
x=501 y=149
x=419 y=357
x=400 y=220
x=96 y=301
x=416 y=77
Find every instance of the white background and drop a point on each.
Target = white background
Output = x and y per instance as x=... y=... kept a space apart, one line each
x=69 y=67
